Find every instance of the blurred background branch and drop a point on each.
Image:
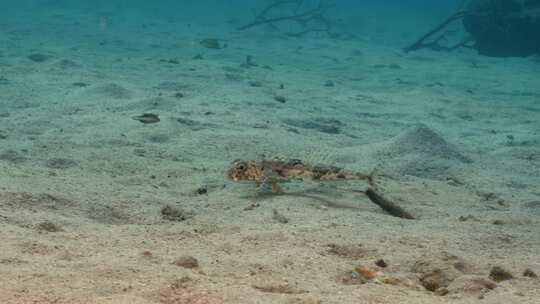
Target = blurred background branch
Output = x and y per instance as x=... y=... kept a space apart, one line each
x=302 y=16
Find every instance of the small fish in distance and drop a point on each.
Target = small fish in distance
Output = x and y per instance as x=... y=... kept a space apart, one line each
x=147 y=118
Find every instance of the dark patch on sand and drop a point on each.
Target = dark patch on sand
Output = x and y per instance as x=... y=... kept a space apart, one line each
x=61 y=163
x=12 y=156
x=111 y=90
x=324 y=125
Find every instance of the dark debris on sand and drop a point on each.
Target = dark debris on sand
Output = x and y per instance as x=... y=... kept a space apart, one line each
x=175 y=214
x=147 y=118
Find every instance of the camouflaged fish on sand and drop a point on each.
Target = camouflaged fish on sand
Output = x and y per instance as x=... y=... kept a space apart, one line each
x=269 y=173
x=273 y=172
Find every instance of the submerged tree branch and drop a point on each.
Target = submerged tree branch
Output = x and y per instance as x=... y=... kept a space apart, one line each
x=435 y=45
x=310 y=19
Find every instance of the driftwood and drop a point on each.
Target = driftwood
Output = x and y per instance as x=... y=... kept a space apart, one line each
x=376 y=197
x=308 y=18
x=504 y=28
x=386 y=205
x=499 y=28
x=424 y=42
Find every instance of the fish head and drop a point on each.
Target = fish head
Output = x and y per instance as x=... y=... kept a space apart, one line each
x=242 y=170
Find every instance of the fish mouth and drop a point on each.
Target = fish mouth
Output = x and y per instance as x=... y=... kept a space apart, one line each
x=232 y=174
x=233 y=178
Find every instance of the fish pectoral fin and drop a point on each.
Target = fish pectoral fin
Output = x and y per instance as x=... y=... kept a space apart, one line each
x=276 y=188
x=270 y=184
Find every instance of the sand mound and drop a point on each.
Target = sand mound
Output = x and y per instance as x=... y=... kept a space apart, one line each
x=422 y=152
x=422 y=140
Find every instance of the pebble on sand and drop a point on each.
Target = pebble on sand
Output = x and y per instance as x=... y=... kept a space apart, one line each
x=186 y=261
x=499 y=274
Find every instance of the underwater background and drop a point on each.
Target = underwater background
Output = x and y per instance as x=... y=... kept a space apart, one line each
x=269 y=152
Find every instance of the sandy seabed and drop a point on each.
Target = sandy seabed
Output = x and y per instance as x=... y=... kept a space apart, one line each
x=97 y=207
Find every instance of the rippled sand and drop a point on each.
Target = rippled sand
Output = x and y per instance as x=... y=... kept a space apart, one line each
x=97 y=207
